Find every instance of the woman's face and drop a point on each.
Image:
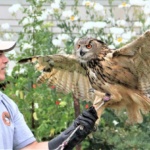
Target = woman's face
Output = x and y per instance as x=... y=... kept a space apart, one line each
x=3 y=62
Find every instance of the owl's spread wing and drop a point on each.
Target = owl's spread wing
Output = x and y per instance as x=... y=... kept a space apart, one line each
x=136 y=58
x=65 y=73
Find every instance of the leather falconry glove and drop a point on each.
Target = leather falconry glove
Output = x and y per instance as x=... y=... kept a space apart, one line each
x=86 y=120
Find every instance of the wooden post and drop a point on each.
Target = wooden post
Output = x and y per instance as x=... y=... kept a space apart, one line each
x=77 y=113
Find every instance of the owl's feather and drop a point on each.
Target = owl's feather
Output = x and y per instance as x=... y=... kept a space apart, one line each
x=65 y=73
x=123 y=73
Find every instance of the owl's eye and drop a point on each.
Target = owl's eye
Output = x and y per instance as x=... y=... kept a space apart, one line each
x=89 y=46
x=78 y=46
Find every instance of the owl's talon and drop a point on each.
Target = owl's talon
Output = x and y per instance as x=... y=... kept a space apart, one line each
x=106 y=98
x=95 y=128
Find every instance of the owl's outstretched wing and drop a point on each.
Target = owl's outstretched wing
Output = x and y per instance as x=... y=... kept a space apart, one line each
x=65 y=73
x=136 y=57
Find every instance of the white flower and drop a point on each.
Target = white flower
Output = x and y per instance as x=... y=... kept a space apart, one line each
x=60 y=40
x=137 y=2
x=8 y=36
x=102 y=38
x=124 y=5
x=14 y=8
x=138 y=24
x=147 y=22
x=56 y=42
x=67 y=13
x=35 y=116
x=30 y=9
x=122 y=23
x=22 y=70
x=38 y=28
x=87 y=3
x=146 y=9
x=57 y=1
x=37 y=1
x=27 y=20
x=49 y=11
x=86 y=26
x=63 y=37
x=26 y=46
x=43 y=16
x=119 y=40
x=115 y=122
x=116 y=30
x=17 y=93
x=5 y=26
x=91 y=25
x=125 y=112
x=99 y=24
x=55 y=7
x=36 y=105
x=111 y=46
x=100 y=8
x=96 y=6
x=73 y=18
x=147 y=2
x=128 y=35
x=111 y=21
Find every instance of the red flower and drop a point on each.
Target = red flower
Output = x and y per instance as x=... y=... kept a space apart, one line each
x=33 y=86
x=86 y=106
x=53 y=87
x=57 y=102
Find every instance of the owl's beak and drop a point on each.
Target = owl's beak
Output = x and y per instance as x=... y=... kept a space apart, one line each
x=82 y=53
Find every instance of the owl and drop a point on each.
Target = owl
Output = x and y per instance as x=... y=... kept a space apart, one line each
x=94 y=71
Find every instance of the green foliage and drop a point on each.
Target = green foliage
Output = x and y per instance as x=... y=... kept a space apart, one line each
x=120 y=136
x=48 y=113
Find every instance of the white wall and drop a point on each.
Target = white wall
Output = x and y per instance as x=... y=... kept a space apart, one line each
x=6 y=17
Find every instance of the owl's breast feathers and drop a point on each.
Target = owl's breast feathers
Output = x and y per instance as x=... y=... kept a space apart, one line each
x=106 y=70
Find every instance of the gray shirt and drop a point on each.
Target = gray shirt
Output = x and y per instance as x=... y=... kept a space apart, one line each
x=14 y=132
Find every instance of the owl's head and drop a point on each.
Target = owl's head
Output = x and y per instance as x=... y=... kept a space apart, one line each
x=89 y=48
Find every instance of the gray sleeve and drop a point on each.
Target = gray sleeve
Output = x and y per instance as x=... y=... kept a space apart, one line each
x=22 y=134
